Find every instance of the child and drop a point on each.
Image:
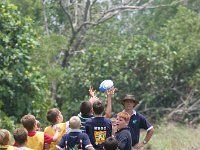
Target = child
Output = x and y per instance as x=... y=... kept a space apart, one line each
x=55 y=117
x=75 y=139
x=36 y=139
x=21 y=136
x=98 y=128
x=38 y=125
x=85 y=113
x=5 y=139
x=114 y=126
x=123 y=135
x=111 y=144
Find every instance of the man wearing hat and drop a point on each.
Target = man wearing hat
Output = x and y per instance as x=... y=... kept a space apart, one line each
x=137 y=122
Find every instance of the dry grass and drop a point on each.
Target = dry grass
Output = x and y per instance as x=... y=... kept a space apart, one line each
x=174 y=137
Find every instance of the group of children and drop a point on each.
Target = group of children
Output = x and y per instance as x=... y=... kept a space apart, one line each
x=89 y=130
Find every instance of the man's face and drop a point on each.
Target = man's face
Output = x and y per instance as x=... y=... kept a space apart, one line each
x=129 y=104
x=121 y=123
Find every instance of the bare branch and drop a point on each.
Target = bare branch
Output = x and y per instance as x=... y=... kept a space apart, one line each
x=68 y=16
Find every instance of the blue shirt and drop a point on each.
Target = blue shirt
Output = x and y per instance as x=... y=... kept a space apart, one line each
x=123 y=136
x=137 y=122
x=83 y=120
x=98 y=129
x=75 y=138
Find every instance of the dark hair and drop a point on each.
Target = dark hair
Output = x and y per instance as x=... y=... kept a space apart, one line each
x=20 y=135
x=85 y=108
x=98 y=107
x=110 y=144
x=28 y=122
x=52 y=114
x=4 y=137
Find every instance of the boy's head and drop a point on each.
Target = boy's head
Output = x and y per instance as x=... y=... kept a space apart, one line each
x=98 y=107
x=110 y=144
x=20 y=136
x=38 y=125
x=4 y=137
x=29 y=122
x=75 y=122
x=122 y=120
x=86 y=108
x=54 y=116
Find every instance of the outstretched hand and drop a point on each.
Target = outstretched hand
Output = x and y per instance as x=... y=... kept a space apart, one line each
x=92 y=92
x=111 y=92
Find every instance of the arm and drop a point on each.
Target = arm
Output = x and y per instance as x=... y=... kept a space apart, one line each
x=108 y=113
x=90 y=148
x=56 y=136
x=93 y=97
x=146 y=139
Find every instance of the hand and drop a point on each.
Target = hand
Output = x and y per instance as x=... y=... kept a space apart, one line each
x=111 y=92
x=139 y=145
x=58 y=129
x=92 y=92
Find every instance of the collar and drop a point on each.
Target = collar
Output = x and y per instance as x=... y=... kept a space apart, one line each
x=75 y=130
x=133 y=113
x=125 y=128
x=4 y=146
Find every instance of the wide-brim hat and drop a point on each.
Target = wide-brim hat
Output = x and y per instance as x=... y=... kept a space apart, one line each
x=130 y=97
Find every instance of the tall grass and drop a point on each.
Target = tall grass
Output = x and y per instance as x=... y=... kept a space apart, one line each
x=174 y=137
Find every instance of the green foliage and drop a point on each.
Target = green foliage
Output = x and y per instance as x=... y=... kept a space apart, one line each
x=22 y=88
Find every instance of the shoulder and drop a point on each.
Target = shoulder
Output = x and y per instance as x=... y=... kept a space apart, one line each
x=107 y=120
x=89 y=120
x=47 y=128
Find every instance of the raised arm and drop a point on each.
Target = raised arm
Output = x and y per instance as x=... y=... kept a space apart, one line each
x=93 y=96
x=108 y=112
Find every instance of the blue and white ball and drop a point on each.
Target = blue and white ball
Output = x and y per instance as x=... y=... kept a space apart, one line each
x=106 y=85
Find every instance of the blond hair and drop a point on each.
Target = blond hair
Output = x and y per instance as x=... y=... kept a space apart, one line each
x=75 y=122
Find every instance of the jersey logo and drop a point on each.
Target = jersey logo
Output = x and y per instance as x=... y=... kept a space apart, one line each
x=75 y=147
x=99 y=135
x=134 y=121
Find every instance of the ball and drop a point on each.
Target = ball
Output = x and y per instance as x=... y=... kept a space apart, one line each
x=106 y=85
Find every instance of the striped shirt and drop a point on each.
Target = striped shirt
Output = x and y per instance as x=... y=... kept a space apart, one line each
x=83 y=120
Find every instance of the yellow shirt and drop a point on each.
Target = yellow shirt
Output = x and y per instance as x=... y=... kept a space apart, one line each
x=9 y=147
x=36 y=142
x=50 y=131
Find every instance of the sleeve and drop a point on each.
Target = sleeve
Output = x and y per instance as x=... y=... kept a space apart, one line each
x=144 y=124
x=61 y=144
x=122 y=141
x=86 y=141
x=47 y=138
x=87 y=128
x=110 y=128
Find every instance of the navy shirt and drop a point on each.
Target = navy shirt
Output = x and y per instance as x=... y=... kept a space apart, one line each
x=83 y=120
x=98 y=129
x=75 y=138
x=137 y=122
x=123 y=137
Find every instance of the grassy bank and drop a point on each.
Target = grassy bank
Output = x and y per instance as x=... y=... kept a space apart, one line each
x=174 y=137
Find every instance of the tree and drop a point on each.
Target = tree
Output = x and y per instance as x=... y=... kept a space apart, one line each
x=22 y=88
